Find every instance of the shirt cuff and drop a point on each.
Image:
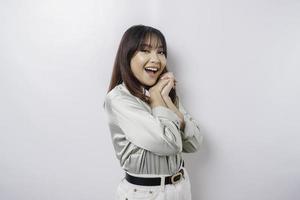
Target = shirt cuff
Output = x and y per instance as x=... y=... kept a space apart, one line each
x=164 y=112
x=188 y=129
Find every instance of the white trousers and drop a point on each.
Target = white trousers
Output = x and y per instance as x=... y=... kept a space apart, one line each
x=178 y=191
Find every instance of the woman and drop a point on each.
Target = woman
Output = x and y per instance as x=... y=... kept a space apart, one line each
x=149 y=126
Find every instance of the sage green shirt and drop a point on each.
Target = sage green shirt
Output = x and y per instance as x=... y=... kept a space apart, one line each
x=146 y=140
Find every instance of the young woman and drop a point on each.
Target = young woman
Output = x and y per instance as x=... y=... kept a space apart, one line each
x=149 y=126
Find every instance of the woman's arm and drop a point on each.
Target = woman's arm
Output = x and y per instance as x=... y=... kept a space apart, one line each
x=156 y=131
x=190 y=130
x=171 y=106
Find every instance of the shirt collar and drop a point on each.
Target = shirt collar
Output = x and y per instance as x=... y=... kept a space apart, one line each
x=146 y=92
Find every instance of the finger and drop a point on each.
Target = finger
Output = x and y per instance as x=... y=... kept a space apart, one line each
x=162 y=83
x=164 y=76
x=167 y=74
x=163 y=80
x=166 y=89
x=170 y=84
x=170 y=78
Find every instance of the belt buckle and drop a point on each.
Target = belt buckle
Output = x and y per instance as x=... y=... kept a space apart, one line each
x=176 y=177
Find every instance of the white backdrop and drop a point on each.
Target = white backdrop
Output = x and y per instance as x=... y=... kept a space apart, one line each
x=237 y=65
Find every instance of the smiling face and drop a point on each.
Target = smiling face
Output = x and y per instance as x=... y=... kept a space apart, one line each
x=148 y=61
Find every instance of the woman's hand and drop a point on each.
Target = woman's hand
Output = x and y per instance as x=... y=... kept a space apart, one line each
x=171 y=83
x=158 y=87
x=166 y=90
x=167 y=75
x=155 y=93
x=168 y=101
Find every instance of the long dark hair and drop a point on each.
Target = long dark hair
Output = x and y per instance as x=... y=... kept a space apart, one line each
x=131 y=42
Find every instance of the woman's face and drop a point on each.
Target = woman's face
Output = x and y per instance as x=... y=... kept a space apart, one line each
x=150 y=57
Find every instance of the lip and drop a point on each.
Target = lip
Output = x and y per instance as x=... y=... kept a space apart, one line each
x=157 y=67
x=152 y=75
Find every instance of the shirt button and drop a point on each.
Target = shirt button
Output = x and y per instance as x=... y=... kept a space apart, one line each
x=150 y=192
x=134 y=190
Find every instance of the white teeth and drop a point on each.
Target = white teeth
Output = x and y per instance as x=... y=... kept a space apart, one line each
x=152 y=69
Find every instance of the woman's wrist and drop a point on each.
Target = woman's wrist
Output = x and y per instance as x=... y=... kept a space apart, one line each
x=157 y=100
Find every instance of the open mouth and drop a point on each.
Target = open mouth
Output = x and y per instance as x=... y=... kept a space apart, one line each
x=151 y=70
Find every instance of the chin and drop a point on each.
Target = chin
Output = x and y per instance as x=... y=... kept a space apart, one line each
x=149 y=84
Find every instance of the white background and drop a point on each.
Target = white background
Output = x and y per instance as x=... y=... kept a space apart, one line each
x=237 y=65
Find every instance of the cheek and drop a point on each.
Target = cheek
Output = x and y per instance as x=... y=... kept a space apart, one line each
x=135 y=63
x=140 y=59
x=163 y=62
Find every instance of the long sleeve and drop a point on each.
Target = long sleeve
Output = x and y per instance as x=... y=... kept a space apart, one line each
x=191 y=136
x=156 y=131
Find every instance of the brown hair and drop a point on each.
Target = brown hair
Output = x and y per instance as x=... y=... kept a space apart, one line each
x=131 y=42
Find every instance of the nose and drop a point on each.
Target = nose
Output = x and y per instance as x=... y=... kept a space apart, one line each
x=154 y=58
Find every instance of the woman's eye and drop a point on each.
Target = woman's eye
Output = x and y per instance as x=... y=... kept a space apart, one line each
x=145 y=50
x=161 y=52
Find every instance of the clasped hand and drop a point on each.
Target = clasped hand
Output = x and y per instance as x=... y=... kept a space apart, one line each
x=162 y=89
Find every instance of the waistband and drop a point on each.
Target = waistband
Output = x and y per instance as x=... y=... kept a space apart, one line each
x=155 y=175
x=155 y=181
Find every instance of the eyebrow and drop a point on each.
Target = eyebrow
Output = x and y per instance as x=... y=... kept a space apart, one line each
x=150 y=46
